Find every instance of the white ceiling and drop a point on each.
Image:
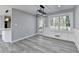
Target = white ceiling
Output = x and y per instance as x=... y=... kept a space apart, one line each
x=48 y=8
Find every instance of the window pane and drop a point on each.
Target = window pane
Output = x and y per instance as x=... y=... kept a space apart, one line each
x=57 y=23
x=60 y=23
x=63 y=22
x=67 y=23
x=52 y=23
x=64 y=19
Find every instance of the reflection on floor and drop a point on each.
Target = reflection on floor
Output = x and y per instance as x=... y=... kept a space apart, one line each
x=39 y=44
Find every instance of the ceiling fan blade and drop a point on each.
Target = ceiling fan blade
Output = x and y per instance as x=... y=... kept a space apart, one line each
x=42 y=6
x=41 y=11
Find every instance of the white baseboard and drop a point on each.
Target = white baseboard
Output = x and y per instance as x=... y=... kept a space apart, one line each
x=23 y=38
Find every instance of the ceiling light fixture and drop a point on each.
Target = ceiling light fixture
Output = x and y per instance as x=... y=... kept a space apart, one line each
x=7 y=19
x=59 y=6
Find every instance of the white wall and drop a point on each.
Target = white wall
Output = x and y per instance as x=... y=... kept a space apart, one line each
x=69 y=36
x=3 y=8
x=77 y=17
x=1 y=24
x=23 y=24
x=64 y=35
x=77 y=26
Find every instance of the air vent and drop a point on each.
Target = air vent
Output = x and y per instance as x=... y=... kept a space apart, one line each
x=57 y=35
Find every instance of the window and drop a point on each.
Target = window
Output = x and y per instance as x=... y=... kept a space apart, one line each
x=40 y=23
x=60 y=23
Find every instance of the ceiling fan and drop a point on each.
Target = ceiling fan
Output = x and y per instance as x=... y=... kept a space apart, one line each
x=41 y=10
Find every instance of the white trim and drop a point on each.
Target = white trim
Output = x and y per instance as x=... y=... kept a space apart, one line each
x=76 y=36
x=23 y=38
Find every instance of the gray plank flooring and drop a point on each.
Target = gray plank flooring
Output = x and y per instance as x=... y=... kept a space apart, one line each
x=39 y=44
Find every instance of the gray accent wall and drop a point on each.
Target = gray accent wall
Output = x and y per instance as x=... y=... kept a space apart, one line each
x=23 y=24
x=77 y=17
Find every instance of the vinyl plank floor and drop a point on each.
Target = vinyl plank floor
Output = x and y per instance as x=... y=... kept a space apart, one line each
x=39 y=44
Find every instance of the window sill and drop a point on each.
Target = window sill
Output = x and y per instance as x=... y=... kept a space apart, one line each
x=63 y=31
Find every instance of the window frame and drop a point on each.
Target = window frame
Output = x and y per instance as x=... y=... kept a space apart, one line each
x=64 y=14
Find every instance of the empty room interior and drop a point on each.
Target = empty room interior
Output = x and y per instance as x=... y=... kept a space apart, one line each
x=39 y=28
